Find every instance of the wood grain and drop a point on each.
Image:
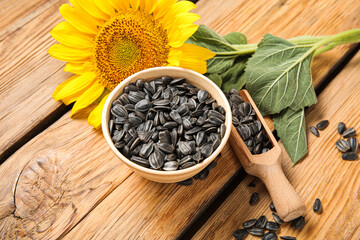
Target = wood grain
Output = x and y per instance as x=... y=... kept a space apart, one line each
x=71 y=170
x=15 y=14
x=29 y=75
x=77 y=156
x=322 y=174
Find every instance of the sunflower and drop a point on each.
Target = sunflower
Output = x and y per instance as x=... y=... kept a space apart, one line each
x=105 y=41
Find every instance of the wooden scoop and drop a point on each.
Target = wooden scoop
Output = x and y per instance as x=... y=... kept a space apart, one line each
x=267 y=167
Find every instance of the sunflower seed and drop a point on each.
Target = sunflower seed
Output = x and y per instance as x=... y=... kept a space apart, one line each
x=197 y=157
x=341 y=127
x=249 y=223
x=222 y=130
x=186 y=182
x=166 y=147
x=272 y=226
x=269 y=236
x=317 y=207
x=200 y=138
x=171 y=125
x=143 y=105
x=141 y=161
x=277 y=219
x=177 y=81
x=350 y=156
x=203 y=174
x=202 y=95
x=298 y=223
x=146 y=150
x=245 y=109
x=342 y=145
x=215 y=120
x=216 y=144
x=353 y=144
x=119 y=111
x=124 y=98
x=170 y=166
x=349 y=132
x=322 y=125
x=288 y=238
x=193 y=130
x=240 y=234
x=206 y=149
x=244 y=131
x=184 y=148
x=135 y=121
x=254 y=198
x=256 y=231
x=188 y=164
x=261 y=222
x=136 y=142
x=186 y=124
x=314 y=131
x=236 y=99
x=118 y=135
x=171 y=157
x=185 y=159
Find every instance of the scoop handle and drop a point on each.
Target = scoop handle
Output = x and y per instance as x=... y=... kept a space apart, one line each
x=287 y=202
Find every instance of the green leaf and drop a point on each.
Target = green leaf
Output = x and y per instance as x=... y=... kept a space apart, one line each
x=234 y=77
x=291 y=128
x=207 y=38
x=215 y=78
x=235 y=38
x=278 y=75
x=219 y=64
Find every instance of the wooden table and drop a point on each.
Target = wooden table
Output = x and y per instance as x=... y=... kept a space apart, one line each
x=59 y=179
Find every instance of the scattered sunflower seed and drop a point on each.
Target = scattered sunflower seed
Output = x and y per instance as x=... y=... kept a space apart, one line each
x=250 y=223
x=353 y=144
x=277 y=219
x=256 y=231
x=341 y=128
x=317 y=206
x=288 y=238
x=269 y=236
x=314 y=131
x=298 y=223
x=261 y=222
x=350 y=156
x=272 y=207
x=322 y=125
x=349 y=132
x=272 y=226
x=254 y=198
x=342 y=145
x=240 y=234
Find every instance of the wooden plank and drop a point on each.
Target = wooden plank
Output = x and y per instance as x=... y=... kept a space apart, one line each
x=29 y=75
x=322 y=174
x=70 y=171
x=69 y=138
x=14 y=14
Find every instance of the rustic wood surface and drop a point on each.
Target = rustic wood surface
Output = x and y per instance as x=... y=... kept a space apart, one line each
x=321 y=174
x=55 y=182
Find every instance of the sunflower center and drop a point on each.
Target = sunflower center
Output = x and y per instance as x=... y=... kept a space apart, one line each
x=129 y=42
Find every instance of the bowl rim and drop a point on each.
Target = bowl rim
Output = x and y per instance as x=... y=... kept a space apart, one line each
x=199 y=166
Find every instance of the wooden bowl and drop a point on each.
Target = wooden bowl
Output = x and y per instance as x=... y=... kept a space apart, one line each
x=192 y=77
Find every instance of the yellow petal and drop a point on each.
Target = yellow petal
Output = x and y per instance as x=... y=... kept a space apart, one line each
x=162 y=7
x=105 y=6
x=78 y=19
x=196 y=65
x=119 y=5
x=88 y=97
x=94 y=118
x=79 y=68
x=190 y=51
x=74 y=85
x=135 y=3
x=73 y=97
x=69 y=54
x=90 y=7
x=178 y=38
x=148 y=6
x=70 y=36
x=179 y=13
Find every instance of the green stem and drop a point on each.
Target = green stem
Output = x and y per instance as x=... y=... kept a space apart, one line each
x=315 y=42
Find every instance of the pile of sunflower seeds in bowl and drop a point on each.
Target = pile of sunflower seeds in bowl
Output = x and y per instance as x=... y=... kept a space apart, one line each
x=247 y=125
x=166 y=124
